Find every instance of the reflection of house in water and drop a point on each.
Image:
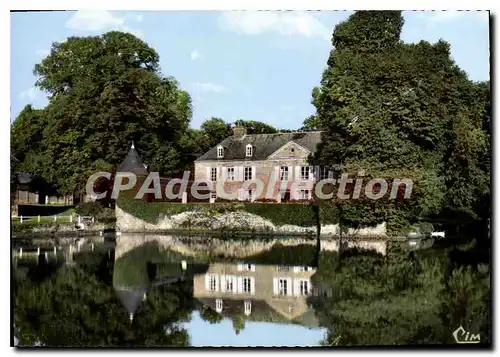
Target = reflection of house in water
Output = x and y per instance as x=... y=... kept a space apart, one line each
x=270 y=293
x=131 y=297
x=132 y=282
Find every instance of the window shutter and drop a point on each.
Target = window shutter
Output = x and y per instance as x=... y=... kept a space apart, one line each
x=297 y=173
x=275 y=286
x=254 y=172
x=235 y=284
x=316 y=172
x=312 y=173
x=240 y=284
x=241 y=172
x=209 y=176
x=330 y=174
x=252 y=285
x=289 y=290
x=207 y=282
x=223 y=173
x=296 y=288
x=223 y=280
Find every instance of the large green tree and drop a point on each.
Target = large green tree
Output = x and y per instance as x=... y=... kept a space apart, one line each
x=396 y=110
x=214 y=130
x=104 y=92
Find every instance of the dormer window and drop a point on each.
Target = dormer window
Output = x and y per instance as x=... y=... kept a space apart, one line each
x=249 y=150
x=248 y=307
x=220 y=152
x=218 y=305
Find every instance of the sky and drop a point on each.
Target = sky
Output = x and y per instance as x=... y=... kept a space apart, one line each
x=253 y=65
x=263 y=334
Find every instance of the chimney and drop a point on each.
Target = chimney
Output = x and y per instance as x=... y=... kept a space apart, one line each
x=239 y=132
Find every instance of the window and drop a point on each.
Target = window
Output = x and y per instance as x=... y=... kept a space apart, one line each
x=248 y=173
x=218 y=305
x=304 y=287
x=249 y=150
x=229 y=283
x=324 y=172
x=282 y=268
x=284 y=173
x=247 y=285
x=302 y=269
x=250 y=195
x=304 y=194
x=248 y=307
x=230 y=174
x=213 y=195
x=220 y=151
x=283 y=286
x=304 y=172
x=213 y=173
x=212 y=285
x=230 y=286
x=246 y=267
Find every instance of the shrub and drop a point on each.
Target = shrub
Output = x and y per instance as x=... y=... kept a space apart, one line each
x=91 y=208
x=265 y=200
x=301 y=214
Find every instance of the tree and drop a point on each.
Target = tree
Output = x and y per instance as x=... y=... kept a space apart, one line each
x=256 y=127
x=312 y=122
x=396 y=110
x=214 y=130
x=27 y=138
x=105 y=92
x=210 y=315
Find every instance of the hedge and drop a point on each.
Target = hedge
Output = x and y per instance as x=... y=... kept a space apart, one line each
x=299 y=214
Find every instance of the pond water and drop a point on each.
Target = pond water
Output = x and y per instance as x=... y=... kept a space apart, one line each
x=165 y=291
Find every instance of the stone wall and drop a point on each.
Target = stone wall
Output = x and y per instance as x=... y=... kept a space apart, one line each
x=193 y=246
x=231 y=221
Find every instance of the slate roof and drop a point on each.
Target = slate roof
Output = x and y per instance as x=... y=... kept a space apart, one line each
x=133 y=163
x=130 y=297
x=263 y=145
x=261 y=311
x=25 y=177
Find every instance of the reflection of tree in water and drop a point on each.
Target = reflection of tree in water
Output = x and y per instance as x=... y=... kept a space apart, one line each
x=238 y=323
x=403 y=298
x=78 y=307
x=210 y=315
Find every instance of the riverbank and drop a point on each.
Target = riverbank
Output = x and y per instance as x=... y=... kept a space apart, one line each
x=234 y=222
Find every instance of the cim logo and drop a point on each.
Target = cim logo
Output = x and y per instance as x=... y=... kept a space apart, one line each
x=462 y=336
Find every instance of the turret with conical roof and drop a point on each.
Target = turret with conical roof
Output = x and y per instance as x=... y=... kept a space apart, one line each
x=133 y=163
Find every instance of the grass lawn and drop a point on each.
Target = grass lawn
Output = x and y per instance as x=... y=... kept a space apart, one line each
x=62 y=217
x=43 y=219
